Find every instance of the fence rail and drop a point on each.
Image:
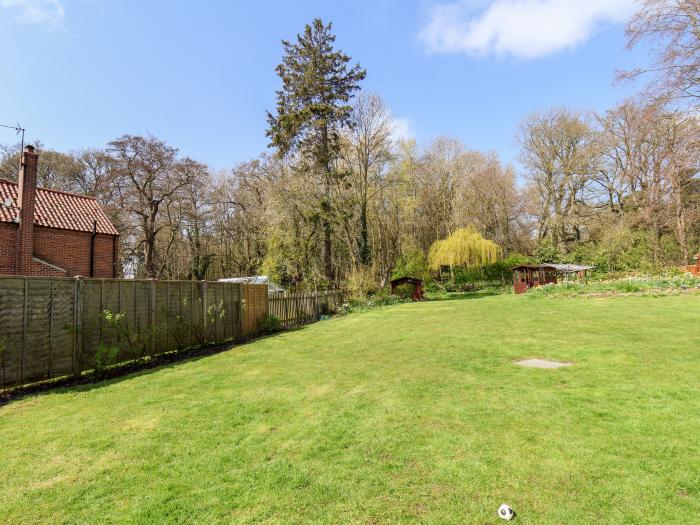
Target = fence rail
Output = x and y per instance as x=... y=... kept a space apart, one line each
x=303 y=307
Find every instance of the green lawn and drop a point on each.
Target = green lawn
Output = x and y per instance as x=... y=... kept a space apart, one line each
x=412 y=413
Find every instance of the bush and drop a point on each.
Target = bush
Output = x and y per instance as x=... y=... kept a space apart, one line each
x=435 y=287
x=361 y=283
x=546 y=252
x=271 y=324
x=106 y=356
x=412 y=264
x=673 y=282
x=494 y=275
x=325 y=308
x=359 y=304
x=405 y=291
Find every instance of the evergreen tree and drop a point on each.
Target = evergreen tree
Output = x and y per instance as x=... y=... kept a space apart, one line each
x=312 y=108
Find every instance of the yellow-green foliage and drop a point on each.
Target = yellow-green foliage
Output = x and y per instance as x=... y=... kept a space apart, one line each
x=361 y=283
x=465 y=247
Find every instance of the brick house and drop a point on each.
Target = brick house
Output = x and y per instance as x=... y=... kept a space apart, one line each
x=52 y=233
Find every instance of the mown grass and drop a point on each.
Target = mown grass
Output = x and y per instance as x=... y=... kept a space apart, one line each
x=411 y=413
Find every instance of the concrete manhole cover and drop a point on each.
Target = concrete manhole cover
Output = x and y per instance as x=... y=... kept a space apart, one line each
x=542 y=363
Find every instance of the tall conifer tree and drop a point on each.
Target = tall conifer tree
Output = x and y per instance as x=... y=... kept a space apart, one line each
x=313 y=106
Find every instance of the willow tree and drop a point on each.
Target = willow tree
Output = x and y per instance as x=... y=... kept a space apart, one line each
x=465 y=248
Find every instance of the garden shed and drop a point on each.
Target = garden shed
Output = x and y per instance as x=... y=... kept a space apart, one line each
x=528 y=276
x=693 y=268
x=414 y=282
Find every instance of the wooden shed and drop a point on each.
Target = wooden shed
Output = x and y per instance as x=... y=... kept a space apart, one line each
x=693 y=268
x=528 y=276
x=417 y=294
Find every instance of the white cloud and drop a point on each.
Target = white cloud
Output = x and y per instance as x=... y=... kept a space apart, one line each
x=523 y=28
x=402 y=129
x=45 y=12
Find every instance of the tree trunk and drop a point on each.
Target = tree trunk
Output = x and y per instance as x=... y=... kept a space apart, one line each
x=148 y=258
x=363 y=244
x=681 y=230
x=149 y=248
x=327 y=253
x=327 y=227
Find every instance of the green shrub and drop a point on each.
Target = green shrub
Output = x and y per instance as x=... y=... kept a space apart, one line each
x=435 y=287
x=546 y=252
x=324 y=308
x=412 y=264
x=672 y=282
x=361 y=283
x=271 y=324
x=405 y=291
x=358 y=304
x=475 y=279
x=106 y=356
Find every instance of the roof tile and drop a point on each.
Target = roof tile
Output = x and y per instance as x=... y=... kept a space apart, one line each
x=57 y=209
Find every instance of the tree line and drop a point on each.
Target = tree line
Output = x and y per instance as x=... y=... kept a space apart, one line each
x=339 y=198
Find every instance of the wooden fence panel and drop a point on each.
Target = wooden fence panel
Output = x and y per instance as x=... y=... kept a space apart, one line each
x=187 y=311
x=125 y=305
x=142 y=309
x=230 y=310
x=197 y=311
x=255 y=299
x=52 y=327
x=37 y=329
x=302 y=307
x=173 y=307
x=160 y=320
x=11 y=329
x=109 y=304
x=90 y=323
x=62 y=327
x=218 y=309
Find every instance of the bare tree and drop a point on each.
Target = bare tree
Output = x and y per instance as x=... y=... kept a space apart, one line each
x=672 y=27
x=491 y=202
x=148 y=179
x=367 y=154
x=558 y=148
x=197 y=210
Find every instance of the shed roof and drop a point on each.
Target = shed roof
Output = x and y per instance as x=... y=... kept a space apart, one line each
x=566 y=268
x=254 y=279
x=571 y=267
x=406 y=279
x=57 y=209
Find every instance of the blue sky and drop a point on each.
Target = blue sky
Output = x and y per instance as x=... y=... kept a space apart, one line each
x=200 y=74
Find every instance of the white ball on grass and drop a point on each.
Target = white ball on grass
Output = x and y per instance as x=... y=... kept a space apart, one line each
x=505 y=512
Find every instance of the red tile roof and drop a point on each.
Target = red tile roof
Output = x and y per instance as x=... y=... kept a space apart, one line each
x=57 y=209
